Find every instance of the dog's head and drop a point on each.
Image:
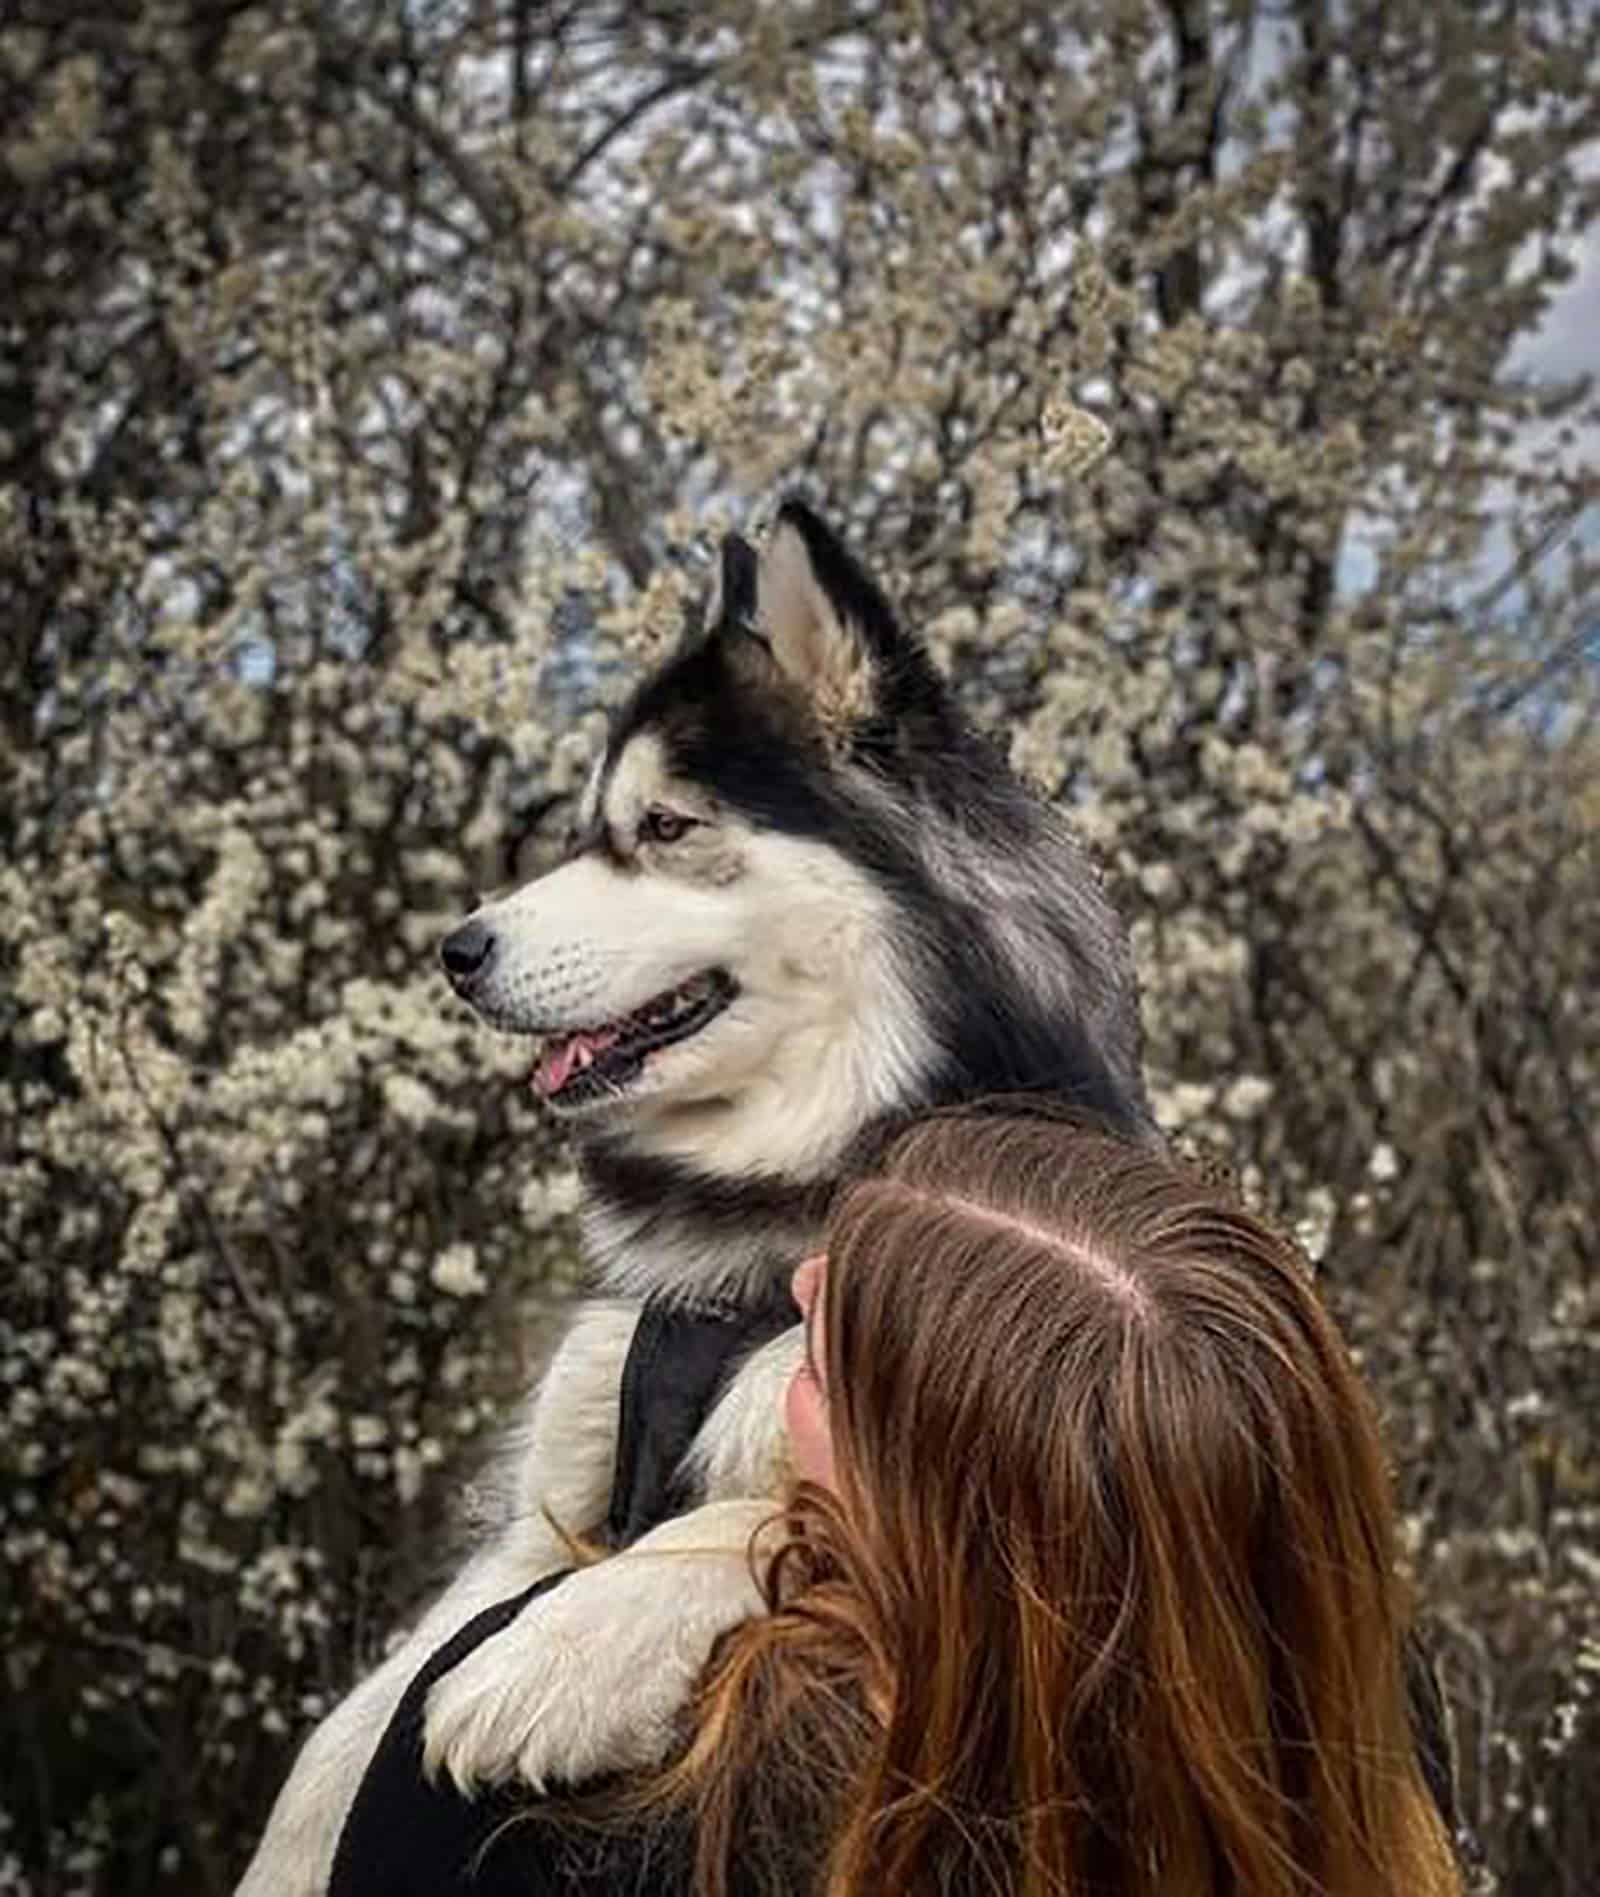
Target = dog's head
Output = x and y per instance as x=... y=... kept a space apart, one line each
x=734 y=960
x=713 y=941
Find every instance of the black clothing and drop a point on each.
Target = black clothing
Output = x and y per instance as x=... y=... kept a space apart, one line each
x=680 y=1361
x=407 y=1838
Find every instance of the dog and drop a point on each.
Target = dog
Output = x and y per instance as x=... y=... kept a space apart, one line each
x=804 y=901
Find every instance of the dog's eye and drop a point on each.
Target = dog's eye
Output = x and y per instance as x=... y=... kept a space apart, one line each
x=660 y=825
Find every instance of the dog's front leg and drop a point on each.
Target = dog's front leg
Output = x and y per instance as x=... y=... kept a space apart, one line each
x=592 y=1677
x=563 y=1460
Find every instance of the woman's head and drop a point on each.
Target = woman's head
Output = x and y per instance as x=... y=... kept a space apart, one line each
x=1106 y=1535
x=1114 y=1500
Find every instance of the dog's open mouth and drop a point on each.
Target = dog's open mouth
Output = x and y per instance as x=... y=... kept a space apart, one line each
x=574 y=1067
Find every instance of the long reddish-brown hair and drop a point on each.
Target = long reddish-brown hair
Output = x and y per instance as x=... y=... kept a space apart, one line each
x=1106 y=1600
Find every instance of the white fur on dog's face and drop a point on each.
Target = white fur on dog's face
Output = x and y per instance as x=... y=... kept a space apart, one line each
x=821 y=1013
x=577 y=948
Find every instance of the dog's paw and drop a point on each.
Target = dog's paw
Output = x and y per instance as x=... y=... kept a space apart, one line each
x=592 y=1676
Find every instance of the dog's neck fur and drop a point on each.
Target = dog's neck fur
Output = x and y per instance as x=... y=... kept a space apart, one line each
x=657 y=1227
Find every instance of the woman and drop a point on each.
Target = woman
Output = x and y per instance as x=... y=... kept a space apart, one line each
x=1088 y=1582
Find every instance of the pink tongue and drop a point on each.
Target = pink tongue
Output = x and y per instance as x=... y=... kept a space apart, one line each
x=555 y=1070
x=556 y=1065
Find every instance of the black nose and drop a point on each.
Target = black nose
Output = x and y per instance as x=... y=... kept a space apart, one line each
x=465 y=952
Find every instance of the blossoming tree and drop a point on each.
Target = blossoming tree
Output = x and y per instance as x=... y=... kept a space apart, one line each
x=372 y=377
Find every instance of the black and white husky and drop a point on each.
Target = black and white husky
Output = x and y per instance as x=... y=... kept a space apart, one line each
x=804 y=900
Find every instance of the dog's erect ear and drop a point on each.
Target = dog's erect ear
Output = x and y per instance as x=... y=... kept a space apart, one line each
x=826 y=625
x=732 y=605
x=806 y=607
x=816 y=645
